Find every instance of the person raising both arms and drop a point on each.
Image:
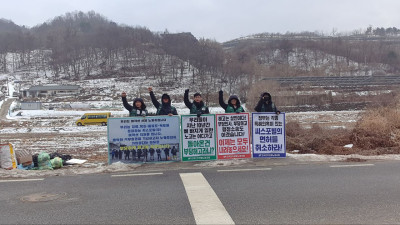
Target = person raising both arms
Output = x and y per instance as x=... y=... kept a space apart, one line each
x=165 y=107
x=233 y=105
x=197 y=106
x=138 y=108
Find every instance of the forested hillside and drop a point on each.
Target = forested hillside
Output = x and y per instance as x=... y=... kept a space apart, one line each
x=79 y=46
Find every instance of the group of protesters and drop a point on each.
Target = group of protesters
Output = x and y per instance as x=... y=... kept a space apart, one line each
x=197 y=106
x=143 y=154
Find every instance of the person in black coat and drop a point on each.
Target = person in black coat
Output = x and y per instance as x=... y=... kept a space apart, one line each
x=145 y=151
x=158 y=154
x=120 y=154
x=126 y=154
x=265 y=104
x=233 y=105
x=138 y=108
x=166 y=152
x=133 y=154
x=196 y=107
x=165 y=107
x=151 y=150
x=173 y=152
x=139 y=153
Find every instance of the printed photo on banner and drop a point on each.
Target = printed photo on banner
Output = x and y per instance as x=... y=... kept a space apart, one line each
x=143 y=139
x=233 y=136
x=198 y=137
x=268 y=135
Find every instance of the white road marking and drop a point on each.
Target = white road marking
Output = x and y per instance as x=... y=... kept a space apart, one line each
x=354 y=165
x=136 y=174
x=235 y=170
x=21 y=180
x=206 y=206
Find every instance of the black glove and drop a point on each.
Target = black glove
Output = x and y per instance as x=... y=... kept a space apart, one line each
x=187 y=90
x=198 y=114
x=221 y=92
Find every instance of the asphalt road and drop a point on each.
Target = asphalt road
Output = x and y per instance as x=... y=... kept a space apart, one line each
x=317 y=193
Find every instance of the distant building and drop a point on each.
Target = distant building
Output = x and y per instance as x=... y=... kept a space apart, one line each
x=31 y=105
x=51 y=90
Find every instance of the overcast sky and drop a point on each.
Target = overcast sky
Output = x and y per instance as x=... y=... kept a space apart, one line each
x=221 y=20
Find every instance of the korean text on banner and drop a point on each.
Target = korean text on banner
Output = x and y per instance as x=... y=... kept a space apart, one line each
x=233 y=136
x=198 y=137
x=268 y=135
x=143 y=139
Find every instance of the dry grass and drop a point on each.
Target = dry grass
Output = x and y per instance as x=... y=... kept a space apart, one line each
x=317 y=139
x=378 y=127
x=376 y=132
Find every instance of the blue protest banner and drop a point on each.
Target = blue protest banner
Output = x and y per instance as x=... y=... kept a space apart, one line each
x=143 y=139
x=268 y=135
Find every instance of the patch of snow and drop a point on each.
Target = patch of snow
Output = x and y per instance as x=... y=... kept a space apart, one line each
x=11 y=89
x=69 y=170
x=75 y=161
x=218 y=163
x=337 y=158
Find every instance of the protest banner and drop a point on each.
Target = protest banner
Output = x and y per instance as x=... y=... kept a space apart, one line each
x=268 y=135
x=233 y=136
x=143 y=139
x=198 y=137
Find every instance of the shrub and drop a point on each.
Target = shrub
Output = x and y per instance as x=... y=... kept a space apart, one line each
x=317 y=139
x=378 y=127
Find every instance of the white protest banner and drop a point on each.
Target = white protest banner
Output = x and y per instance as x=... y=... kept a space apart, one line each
x=268 y=135
x=143 y=139
x=233 y=136
x=198 y=137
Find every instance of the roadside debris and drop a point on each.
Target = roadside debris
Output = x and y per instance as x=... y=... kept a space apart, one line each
x=23 y=160
x=7 y=157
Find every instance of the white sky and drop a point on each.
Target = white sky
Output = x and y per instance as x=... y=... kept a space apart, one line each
x=221 y=20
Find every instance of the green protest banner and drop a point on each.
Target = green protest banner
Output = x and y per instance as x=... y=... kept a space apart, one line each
x=198 y=138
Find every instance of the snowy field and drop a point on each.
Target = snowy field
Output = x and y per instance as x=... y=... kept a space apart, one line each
x=55 y=131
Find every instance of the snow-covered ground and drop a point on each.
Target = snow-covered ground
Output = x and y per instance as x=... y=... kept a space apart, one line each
x=55 y=130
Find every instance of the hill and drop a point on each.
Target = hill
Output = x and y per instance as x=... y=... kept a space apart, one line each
x=78 y=47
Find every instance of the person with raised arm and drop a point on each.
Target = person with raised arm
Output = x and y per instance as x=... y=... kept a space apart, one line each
x=165 y=107
x=138 y=108
x=233 y=105
x=197 y=106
